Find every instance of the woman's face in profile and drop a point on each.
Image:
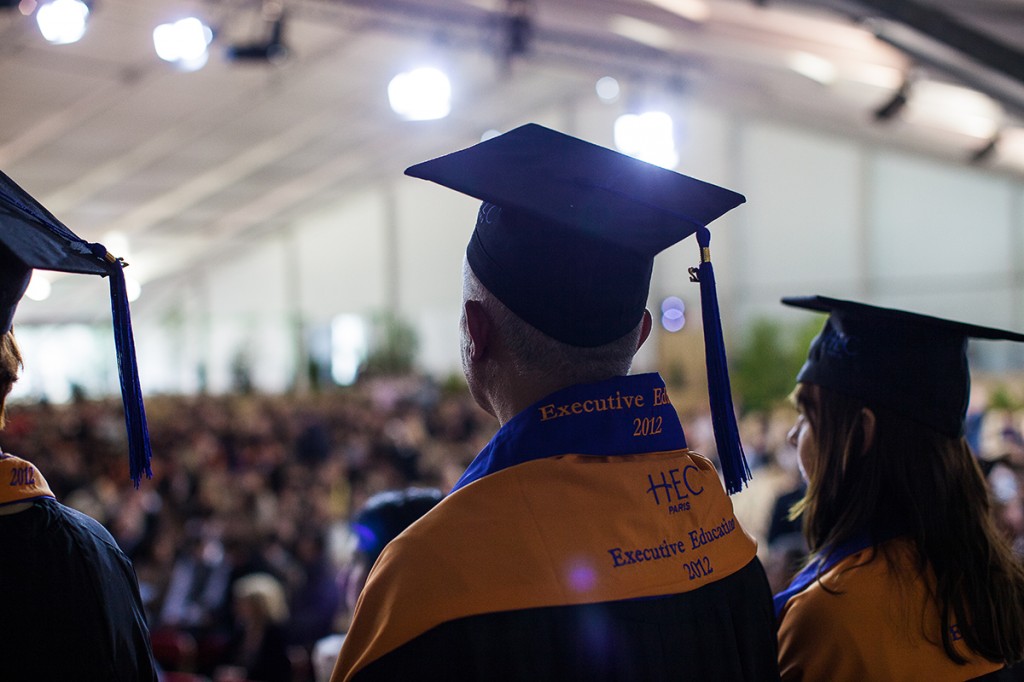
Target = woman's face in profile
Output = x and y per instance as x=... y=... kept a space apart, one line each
x=802 y=437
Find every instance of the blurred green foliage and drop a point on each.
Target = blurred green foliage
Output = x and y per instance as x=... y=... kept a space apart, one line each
x=764 y=368
x=1002 y=399
x=393 y=346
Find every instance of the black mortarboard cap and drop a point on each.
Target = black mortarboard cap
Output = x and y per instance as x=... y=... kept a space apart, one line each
x=567 y=235
x=31 y=237
x=913 y=364
x=14 y=279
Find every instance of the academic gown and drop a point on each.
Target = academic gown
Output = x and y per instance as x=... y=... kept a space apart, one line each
x=71 y=605
x=866 y=619
x=585 y=542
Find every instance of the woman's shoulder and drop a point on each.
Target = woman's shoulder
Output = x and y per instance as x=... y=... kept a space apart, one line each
x=861 y=585
x=872 y=615
x=867 y=566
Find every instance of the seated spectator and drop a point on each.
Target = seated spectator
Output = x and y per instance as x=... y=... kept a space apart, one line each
x=259 y=645
x=314 y=603
x=198 y=583
x=384 y=516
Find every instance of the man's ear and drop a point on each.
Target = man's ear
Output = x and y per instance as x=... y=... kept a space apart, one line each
x=479 y=328
x=867 y=422
x=645 y=329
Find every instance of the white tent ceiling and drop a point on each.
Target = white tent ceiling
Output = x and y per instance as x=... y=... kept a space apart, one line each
x=185 y=166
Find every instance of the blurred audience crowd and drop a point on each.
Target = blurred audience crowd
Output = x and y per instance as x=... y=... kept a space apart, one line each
x=242 y=541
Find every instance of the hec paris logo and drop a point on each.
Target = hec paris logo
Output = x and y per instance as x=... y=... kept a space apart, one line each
x=674 y=488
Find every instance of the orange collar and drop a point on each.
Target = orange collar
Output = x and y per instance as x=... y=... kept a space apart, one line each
x=20 y=481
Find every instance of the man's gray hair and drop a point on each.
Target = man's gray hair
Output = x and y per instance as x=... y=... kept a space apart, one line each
x=534 y=353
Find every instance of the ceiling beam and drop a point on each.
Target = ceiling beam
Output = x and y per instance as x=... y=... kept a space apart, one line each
x=947 y=29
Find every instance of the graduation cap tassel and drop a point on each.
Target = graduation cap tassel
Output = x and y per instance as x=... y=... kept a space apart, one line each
x=727 y=437
x=139 y=453
x=31 y=237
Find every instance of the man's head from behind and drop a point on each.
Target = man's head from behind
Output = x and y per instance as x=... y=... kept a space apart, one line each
x=565 y=240
x=501 y=351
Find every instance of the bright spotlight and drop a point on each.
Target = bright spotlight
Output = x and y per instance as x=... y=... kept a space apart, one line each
x=183 y=43
x=39 y=287
x=423 y=94
x=117 y=243
x=348 y=348
x=62 y=21
x=607 y=89
x=812 y=66
x=649 y=137
x=1011 y=147
x=133 y=288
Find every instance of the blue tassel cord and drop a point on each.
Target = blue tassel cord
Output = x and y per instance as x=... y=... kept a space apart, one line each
x=139 y=453
x=723 y=418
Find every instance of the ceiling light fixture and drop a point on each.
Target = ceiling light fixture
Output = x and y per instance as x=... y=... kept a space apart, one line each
x=518 y=30
x=607 y=89
x=896 y=103
x=696 y=11
x=39 y=286
x=423 y=94
x=649 y=136
x=270 y=49
x=812 y=66
x=62 y=21
x=987 y=151
x=643 y=32
x=953 y=108
x=184 y=43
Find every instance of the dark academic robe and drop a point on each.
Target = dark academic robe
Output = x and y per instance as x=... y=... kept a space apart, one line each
x=585 y=542
x=71 y=605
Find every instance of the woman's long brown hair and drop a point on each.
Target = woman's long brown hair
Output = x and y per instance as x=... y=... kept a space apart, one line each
x=10 y=363
x=929 y=488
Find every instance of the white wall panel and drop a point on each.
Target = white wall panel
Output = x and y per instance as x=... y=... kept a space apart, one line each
x=341 y=258
x=248 y=297
x=433 y=227
x=802 y=224
x=936 y=221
